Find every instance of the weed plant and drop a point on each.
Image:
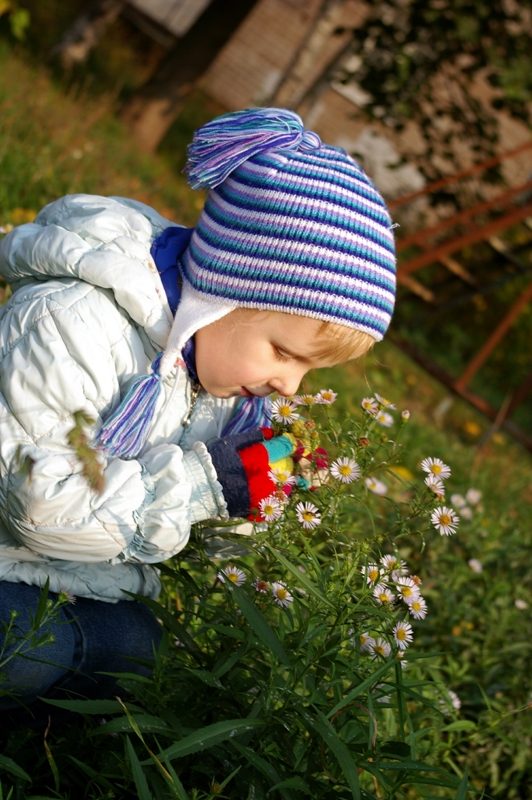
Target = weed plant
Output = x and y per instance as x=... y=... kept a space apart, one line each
x=283 y=670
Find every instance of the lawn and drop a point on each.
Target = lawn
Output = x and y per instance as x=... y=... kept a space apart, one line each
x=477 y=583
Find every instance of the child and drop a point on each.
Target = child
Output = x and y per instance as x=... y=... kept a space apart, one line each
x=290 y=267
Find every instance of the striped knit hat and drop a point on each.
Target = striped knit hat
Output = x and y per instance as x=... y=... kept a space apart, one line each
x=289 y=224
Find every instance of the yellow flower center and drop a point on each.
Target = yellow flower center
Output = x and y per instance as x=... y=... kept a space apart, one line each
x=445 y=519
x=308 y=516
x=416 y=605
x=282 y=594
x=345 y=469
x=326 y=395
x=401 y=634
x=268 y=510
x=406 y=591
x=308 y=399
x=233 y=577
x=380 y=649
x=383 y=598
x=435 y=469
x=373 y=574
x=285 y=411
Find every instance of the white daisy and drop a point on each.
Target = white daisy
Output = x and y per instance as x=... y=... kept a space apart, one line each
x=366 y=642
x=393 y=563
x=282 y=477
x=458 y=500
x=376 y=486
x=284 y=411
x=437 y=467
x=435 y=485
x=308 y=515
x=445 y=520
x=475 y=565
x=345 y=470
x=521 y=604
x=306 y=399
x=281 y=595
x=417 y=607
x=326 y=397
x=405 y=415
x=407 y=588
x=261 y=586
x=381 y=648
x=403 y=635
x=384 y=402
x=466 y=512
x=371 y=573
x=369 y=404
x=452 y=700
x=383 y=595
x=473 y=496
x=385 y=419
x=270 y=508
x=233 y=575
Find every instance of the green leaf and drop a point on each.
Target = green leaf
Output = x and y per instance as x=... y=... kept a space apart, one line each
x=335 y=744
x=361 y=687
x=256 y=620
x=291 y=783
x=461 y=725
x=145 y=723
x=92 y=706
x=263 y=766
x=10 y=766
x=311 y=587
x=92 y=773
x=205 y=677
x=138 y=775
x=209 y=736
x=462 y=789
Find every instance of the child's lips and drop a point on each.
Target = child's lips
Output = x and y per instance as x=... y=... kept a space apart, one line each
x=245 y=392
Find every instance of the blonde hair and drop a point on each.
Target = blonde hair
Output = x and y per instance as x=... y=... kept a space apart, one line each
x=341 y=343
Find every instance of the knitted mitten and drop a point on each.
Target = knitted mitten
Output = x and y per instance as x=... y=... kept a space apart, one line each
x=243 y=463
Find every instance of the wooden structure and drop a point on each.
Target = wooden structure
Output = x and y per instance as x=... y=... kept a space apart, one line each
x=440 y=243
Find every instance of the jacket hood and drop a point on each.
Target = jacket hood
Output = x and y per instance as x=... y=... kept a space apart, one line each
x=97 y=240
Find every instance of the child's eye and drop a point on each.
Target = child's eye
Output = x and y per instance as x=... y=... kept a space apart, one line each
x=280 y=356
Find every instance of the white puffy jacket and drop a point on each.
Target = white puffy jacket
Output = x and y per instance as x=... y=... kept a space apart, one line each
x=87 y=316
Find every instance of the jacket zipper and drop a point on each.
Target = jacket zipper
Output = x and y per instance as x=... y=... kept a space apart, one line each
x=194 y=394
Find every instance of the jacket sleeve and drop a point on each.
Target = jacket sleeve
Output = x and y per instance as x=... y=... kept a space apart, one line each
x=64 y=346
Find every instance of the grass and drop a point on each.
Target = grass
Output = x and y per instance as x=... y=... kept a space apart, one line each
x=54 y=142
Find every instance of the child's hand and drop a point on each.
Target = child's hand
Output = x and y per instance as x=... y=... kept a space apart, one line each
x=244 y=463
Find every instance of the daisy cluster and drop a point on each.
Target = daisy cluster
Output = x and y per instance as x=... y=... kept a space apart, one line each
x=469 y=504
x=444 y=519
x=277 y=590
x=379 y=408
x=285 y=409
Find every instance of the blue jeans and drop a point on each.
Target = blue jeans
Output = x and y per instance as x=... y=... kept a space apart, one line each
x=89 y=637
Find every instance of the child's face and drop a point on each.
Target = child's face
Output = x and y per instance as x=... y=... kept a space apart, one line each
x=250 y=352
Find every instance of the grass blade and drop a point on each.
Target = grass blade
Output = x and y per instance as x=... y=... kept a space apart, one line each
x=138 y=773
x=209 y=736
x=462 y=789
x=256 y=620
x=335 y=744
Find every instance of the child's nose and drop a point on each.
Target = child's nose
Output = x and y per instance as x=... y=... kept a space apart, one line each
x=288 y=384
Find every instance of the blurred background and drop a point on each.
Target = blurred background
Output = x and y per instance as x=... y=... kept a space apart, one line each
x=434 y=99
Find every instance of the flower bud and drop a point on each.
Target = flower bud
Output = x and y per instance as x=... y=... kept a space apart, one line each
x=363 y=441
x=405 y=415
